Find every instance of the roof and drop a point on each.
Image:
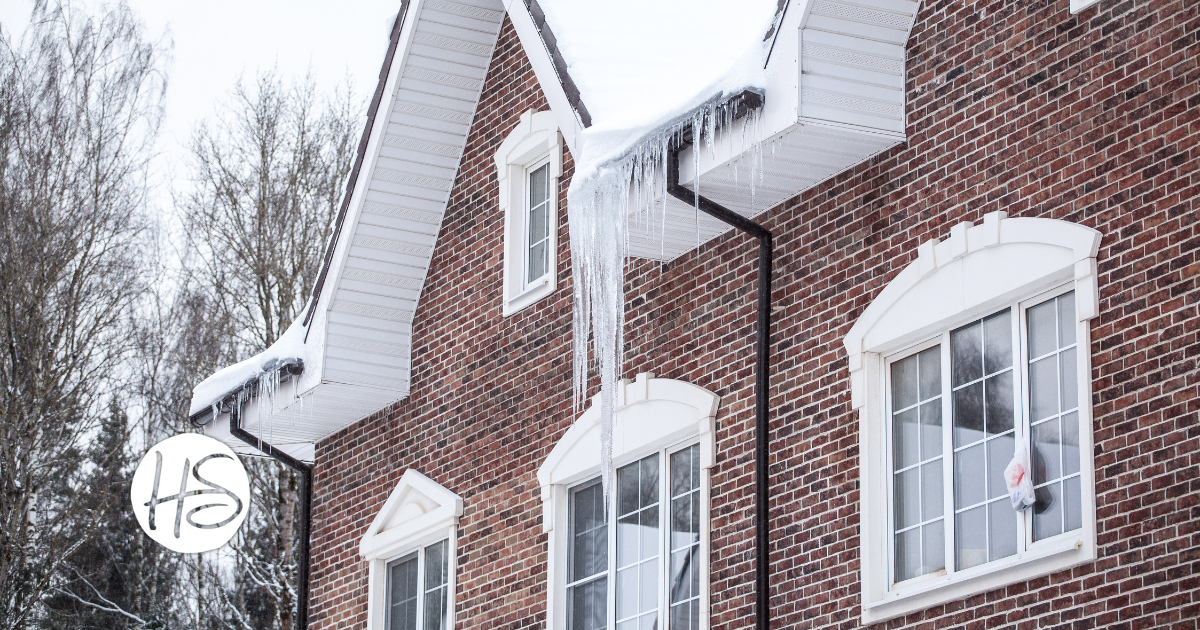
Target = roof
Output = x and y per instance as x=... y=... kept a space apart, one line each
x=832 y=75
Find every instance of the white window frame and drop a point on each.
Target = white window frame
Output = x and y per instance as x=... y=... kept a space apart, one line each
x=1078 y=6
x=978 y=270
x=418 y=513
x=533 y=143
x=654 y=415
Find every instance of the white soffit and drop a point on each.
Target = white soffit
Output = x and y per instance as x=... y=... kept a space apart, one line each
x=835 y=98
x=363 y=321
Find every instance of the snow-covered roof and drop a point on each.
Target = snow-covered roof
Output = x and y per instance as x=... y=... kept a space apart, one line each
x=831 y=72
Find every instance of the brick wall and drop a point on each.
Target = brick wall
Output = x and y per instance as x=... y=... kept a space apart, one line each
x=1014 y=105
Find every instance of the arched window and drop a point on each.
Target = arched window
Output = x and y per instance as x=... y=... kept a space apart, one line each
x=644 y=563
x=974 y=352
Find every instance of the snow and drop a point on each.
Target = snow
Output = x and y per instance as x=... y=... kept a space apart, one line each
x=289 y=347
x=646 y=71
x=641 y=63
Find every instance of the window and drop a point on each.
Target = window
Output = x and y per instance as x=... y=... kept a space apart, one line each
x=652 y=521
x=980 y=348
x=409 y=548
x=643 y=566
x=417 y=590
x=528 y=164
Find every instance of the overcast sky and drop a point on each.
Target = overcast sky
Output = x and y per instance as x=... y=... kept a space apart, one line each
x=216 y=41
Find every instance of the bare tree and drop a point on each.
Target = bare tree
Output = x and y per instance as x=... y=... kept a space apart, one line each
x=268 y=176
x=80 y=102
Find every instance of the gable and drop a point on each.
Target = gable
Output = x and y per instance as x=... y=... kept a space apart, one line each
x=418 y=506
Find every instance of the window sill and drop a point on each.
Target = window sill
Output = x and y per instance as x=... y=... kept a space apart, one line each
x=532 y=293
x=1056 y=554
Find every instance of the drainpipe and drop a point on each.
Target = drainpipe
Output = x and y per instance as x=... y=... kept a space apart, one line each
x=762 y=365
x=306 y=475
x=232 y=402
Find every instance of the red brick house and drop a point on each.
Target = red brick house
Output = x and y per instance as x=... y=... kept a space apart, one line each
x=985 y=230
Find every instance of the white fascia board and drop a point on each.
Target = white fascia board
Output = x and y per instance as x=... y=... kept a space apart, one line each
x=543 y=69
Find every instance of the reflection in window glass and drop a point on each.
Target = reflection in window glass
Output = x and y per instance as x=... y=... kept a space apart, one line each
x=587 y=588
x=402 y=594
x=637 y=545
x=684 y=585
x=981 y=368
x=538 y=238
x=1054 y=417
x=916 y=387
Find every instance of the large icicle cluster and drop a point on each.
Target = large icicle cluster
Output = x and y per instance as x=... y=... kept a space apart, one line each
x=602 y=202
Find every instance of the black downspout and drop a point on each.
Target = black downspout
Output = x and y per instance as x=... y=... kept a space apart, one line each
x=762 y=365
x=306 y=475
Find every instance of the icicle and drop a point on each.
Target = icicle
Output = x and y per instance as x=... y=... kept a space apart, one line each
x=599 y=207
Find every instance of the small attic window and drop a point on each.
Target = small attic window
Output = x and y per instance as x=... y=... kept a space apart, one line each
x=529 y=164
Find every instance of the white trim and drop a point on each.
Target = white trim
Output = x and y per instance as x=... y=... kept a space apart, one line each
x=535 y=141
x=653 y=414
x=1078 y=6
x=977 y=270
x=543 y=69
x=419 y=512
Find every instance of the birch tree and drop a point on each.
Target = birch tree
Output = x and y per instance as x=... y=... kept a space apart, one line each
x=80 y=103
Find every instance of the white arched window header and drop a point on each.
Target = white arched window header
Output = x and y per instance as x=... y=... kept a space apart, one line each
x=651 y=413
x=974 y=270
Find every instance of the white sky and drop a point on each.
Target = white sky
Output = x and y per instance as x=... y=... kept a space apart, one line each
x=216 y=41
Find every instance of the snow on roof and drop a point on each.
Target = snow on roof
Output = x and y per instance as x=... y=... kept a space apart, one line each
x=640 y=64
x=289 y=348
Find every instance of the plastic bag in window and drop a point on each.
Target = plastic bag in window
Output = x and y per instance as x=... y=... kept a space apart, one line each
x=1020 y=483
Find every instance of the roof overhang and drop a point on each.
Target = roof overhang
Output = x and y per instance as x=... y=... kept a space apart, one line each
x=835 y=98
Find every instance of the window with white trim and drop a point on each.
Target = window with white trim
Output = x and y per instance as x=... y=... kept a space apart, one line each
x=409 y=548
x=416 y=588
x=976 y=350
x=643 y=563
x=528 y=165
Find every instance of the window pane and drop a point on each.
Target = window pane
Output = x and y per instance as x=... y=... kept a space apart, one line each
x=436 y=590
x=1066 y=320
x=1072 y=504
x=589 y=539
x=908 y=498
x=906 y=438
x=970 y=486
x=968 y=414
x=933 y=541
x=1047 y=511
x=908 y=554
x=402 y=594
x=1070 y=380
x=930 y=366
x=1043 y=329
x=1002 y=530
x=637 y=541
x=1043 y=388
x=538 y=183
x=931 y=429
x=1047 y=452
x=931 y=490
x=997 y=331
x=904 y=383
x=1070 y=442
x=1000 y=452
x=537 y=261
x=966 y=354
x=998 y=403
x=683 y=589
x=587 y=608
x=970 y=533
